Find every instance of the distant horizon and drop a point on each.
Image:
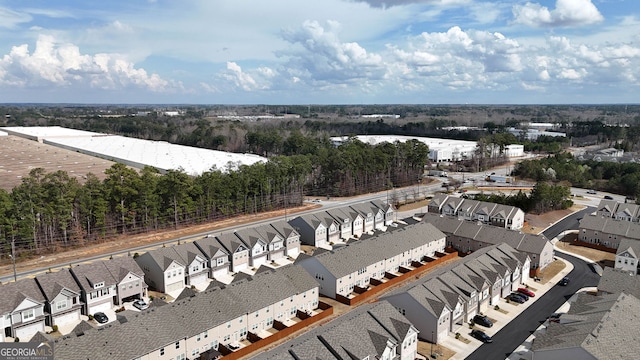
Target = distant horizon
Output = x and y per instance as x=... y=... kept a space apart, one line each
x=309 y=104
x=351 y=52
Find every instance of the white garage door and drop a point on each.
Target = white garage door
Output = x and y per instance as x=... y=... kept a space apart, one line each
x=259 y=261
x=174 y=287
x=221 y=272
x=198 y=279
x=27 y=332
x=99 y=308
x=66 y=318
x=294 y=252
x=443 y=335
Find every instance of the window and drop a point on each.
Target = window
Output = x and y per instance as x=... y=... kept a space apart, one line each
x=178 y=345
x=61 y=305
x=28 y=315
x=162 y=351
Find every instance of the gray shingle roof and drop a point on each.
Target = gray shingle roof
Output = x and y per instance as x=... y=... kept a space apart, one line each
x=15 y=292
x=284 y=229
x=633 y=246
x=93 y=273
x=616 y=281
x=121 y=266
x=52 y=283
x=164 y=256
x=210 y=247
x=157 y=327
x=611 y=226
x=360 y=254
x=364 y=331
x=603 y=326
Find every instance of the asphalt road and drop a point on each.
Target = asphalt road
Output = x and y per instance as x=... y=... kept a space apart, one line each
x=520 y=328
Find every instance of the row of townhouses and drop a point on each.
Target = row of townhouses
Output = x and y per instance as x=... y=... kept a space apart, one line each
x=468 y=236
x=170 y=269
x=59 y=298
x=374 y=331
x=356 y=264
x=607 y=231
x=509 y=217
x=222 y=315
x=326 y=228
x=450 y=297
x=619 y=210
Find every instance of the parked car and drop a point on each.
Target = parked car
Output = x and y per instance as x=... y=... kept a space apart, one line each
x=592 y=192
x=515 y=298
x=140 y=305
x=527 y=292
x=101 y=317
x=608 y=197
x=482 y=336
x=555 y=317
x=482 y=320
x=564 y=281
x=523 y=296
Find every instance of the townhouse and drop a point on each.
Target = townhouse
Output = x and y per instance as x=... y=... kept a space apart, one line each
x=163 y=269
x=216 y=255
x=595 y=327
x=62 y=297
x=344 y=220
x=504 y=216
x=256 y=245
x=617 y=281
x=312 y=230
x=607 y=231
x=129 y=279
x=368 y=212
x=449 y=297
x=618 y=210
x=276 y=248
x=388 y=211
x=97 y=287
x=290 y=235
x=467 y=236
x=341 y=270
x=237 y=250
x=218 y=316
x=22 y=310
x=628 y=256
x=373 y=331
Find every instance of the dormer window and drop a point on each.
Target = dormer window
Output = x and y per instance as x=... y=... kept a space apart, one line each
x=98 y=285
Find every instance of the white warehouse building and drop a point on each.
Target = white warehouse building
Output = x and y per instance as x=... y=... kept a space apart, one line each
x=440 y=150
x=136 y=153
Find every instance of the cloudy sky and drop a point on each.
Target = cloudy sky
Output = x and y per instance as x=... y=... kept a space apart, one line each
x=320 y=51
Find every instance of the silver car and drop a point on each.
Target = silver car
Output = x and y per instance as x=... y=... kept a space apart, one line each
x=140 y=305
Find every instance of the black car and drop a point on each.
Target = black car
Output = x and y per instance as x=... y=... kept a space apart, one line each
x=101 y=317
x=482 y=320
x=515 y=298
x=564 y=281
x=607 y=197
x=523 y=296
x=482 y=336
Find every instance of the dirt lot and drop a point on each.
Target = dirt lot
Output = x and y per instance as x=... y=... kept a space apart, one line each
x=602 y=257
x=535 y=224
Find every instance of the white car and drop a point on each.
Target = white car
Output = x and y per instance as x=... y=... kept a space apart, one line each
x=140 y=305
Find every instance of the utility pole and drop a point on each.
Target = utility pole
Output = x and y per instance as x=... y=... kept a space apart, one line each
x=13 y=258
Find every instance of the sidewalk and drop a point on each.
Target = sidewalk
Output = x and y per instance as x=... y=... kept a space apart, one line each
x=462 y=350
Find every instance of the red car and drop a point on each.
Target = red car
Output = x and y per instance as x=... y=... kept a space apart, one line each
x=527 y=292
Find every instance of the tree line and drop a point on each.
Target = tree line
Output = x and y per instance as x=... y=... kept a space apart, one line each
x=544 y=197
x=50 y=211
x=618 y=178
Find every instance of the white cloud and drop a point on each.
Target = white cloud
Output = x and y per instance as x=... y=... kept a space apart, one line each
x=10 y=18
x=61 y=65
x=566 y=13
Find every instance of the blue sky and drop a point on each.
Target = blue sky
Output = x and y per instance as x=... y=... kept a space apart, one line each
x=320 y=51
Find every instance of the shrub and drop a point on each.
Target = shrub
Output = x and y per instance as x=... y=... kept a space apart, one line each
x=457 y=335
x=90 y=317
x=136 y=255
x=496 y=307
x=150 y=297
x=120 y=309
x=16 y=339
x=54 y=328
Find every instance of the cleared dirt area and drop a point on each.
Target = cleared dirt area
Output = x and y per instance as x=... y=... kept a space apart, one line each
x=536 y=223
x=19 y=156
x=602 y=257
